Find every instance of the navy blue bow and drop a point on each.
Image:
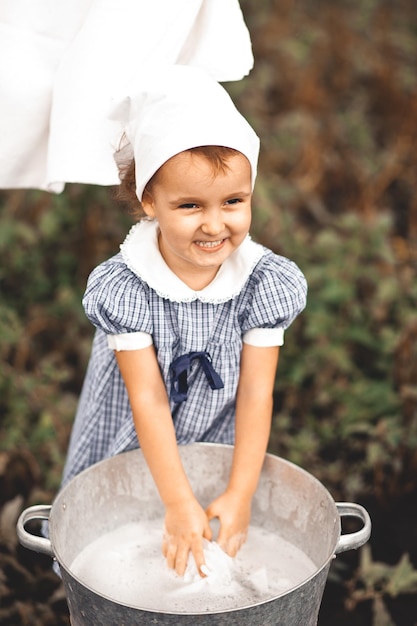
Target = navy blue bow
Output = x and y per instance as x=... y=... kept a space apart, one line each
x=179 y=372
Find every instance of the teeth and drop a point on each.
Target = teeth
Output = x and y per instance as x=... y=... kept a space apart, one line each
x=209 y=244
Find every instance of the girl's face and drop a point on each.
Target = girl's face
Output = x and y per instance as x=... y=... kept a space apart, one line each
x=203 y=217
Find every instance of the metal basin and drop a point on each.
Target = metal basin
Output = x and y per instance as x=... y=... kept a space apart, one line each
x=119 y=490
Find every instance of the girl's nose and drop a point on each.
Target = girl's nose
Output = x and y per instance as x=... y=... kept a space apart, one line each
x=213 y=222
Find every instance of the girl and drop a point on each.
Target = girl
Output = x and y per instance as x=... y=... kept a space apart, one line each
x=193 y=310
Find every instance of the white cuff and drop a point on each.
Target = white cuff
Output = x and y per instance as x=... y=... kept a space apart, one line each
x=129 y=341
x=264 y=337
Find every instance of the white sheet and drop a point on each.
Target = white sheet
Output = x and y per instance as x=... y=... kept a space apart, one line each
x=62 y=61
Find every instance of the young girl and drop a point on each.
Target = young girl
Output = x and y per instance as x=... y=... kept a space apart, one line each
x=193 y=310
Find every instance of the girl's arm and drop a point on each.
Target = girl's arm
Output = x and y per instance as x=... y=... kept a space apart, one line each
x=253 y=423
x=185 y=521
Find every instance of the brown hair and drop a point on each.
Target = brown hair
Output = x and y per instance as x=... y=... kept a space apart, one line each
x=217 y=156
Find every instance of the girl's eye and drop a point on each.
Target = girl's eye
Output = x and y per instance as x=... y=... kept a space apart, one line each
x=233 y=201
x=188 y=205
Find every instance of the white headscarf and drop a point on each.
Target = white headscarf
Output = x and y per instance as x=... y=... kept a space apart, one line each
x=176 y=108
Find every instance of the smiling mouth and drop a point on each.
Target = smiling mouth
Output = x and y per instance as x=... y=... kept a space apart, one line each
x=210 y=244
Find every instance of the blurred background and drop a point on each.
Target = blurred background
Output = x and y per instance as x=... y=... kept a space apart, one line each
x=333 y=97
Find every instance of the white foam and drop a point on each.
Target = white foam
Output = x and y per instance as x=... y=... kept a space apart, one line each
x=127 y=566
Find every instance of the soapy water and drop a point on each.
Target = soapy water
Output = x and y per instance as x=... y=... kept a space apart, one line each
x=127 y=566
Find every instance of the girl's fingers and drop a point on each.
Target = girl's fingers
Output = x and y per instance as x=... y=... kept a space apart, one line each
x=234 y=544
x=164 y=546
x=176 y=556
x=208 y=533
x=198 y=554
x=181 y=559
x=176 y=549
x=211 y=512
x=231 y=545
x=171 y=555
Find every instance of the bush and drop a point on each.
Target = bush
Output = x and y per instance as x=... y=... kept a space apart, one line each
x=343 y=405
x=48 y=246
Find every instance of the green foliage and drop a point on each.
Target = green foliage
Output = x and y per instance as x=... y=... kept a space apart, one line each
x=337 y=392
x=376 y=581
x=48 y=245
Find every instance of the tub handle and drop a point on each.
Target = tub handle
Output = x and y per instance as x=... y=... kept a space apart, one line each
x=351 y=541
x=33 y=542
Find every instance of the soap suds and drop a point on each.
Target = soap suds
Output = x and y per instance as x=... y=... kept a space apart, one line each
x=126 y=565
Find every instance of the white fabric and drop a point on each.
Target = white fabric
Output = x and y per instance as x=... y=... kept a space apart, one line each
x=129 y=341
x=34 y=36
x=62 y=62
x=222 y=575
x=218 y=569
x=173 y=108
x=264 y=337
x=140 y=252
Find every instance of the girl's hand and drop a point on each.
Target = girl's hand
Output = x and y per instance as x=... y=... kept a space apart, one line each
x=233 y=512
x=186 y=524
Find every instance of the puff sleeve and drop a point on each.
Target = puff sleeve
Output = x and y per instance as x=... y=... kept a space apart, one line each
x=277 y=294
x=116 y=301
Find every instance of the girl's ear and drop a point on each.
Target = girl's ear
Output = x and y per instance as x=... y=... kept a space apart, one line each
x=148 y=204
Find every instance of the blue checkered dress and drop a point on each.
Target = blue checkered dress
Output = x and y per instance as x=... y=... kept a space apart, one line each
x=118 y=301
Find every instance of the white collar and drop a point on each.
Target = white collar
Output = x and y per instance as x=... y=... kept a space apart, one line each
x=141 y=254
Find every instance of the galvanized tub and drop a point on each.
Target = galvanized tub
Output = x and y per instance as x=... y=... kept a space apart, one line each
x=119 y=490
